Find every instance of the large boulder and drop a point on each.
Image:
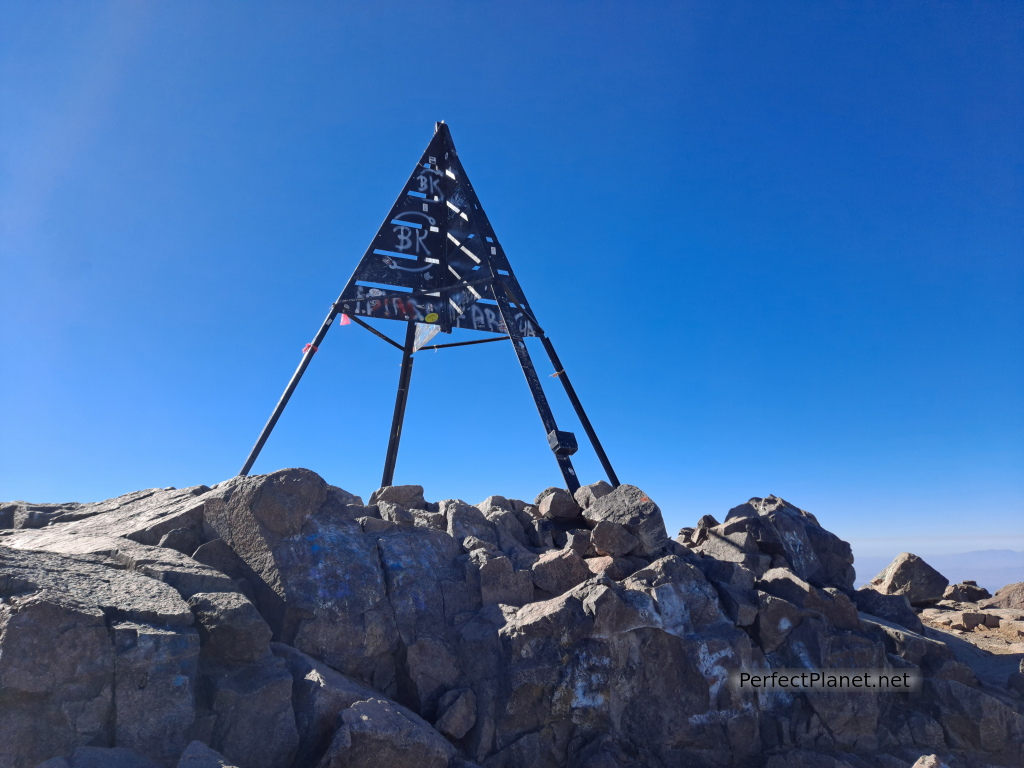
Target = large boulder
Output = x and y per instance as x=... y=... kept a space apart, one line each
x=186 y=575
x=376 y=602
x=154 y=687
x=558 y=503
x=142 y=516
x=377 y=732
x=778 y=528
x=319 y=695
x=231 y=629
x=254 y=723
x=500 y=582
x=912 y=577
x=916 y=648
x=586 y=495
x=631 y=508
x=970 y=718
x=731 y=542
x=966 y=592
x=895 y=608
x=407 y=496
x=1010 y=596
x=457 y=710
x=90 y=652
x=834 y=606
x=571 y=671
x=317 y=578
x=612 y=540
x=560 y=571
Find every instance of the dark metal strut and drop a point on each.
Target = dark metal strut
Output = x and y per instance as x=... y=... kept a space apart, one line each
x=572 y=482
x=402 y=398
x=307 y=356
x=578 y=406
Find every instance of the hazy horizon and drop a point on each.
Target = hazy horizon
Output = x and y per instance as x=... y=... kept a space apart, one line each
x=990 y=568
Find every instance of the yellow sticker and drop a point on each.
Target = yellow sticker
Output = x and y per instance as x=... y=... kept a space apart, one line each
x=431 y=318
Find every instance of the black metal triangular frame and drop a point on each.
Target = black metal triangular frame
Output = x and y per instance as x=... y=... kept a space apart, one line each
x=437 y=262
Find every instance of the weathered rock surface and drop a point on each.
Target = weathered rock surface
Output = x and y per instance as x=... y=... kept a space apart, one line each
x=558 y=503
x=230 y=628
x=198 y=755
x=912 y=577
x=558 y=572
x=90 y=653
x=376 y=732
x=142 y=516
x=892 y=607
x=458 y=713
x=253 y=722
x=319 y=695
x=277 y=622
x=408 y=496
x=630 y=507
x=966 y=592
x=102 y=757
x=778 y=529
x=1010 y=596
x=612 y=539
x=587 y=494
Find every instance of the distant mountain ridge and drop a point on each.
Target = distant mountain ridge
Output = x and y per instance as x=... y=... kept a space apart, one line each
x=991 y=568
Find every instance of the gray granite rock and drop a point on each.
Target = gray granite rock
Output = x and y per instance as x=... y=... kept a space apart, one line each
x=615 y=568
x=231 y=629
x=910 y=576
x=631 y=508
x=779 y=528
x=895 y=608
x=254 y=720
x=587 y=494
x=319 y=695
x=1010 y=596
x=458 y=713
x=559 y=571
x=198 y=755
x=90 y=652
x=559 y=504
x=966 y=592
x=376 y=732
x=612 y=539
x=407 y=496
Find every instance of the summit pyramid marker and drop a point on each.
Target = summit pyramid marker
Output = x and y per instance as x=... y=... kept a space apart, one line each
x=436 y=264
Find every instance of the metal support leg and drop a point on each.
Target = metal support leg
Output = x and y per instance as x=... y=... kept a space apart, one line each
x=587 y=427
x=307 y=356
x=539 y=398
x=403 y=396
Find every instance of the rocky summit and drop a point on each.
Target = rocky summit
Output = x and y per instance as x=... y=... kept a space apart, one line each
x=277 y=621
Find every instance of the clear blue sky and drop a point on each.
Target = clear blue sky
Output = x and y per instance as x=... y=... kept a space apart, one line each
x=777 y=245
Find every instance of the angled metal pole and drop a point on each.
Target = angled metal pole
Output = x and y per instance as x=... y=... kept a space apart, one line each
x=307 y=356
x=576 y=404
x=539 y=398
x=402 y=398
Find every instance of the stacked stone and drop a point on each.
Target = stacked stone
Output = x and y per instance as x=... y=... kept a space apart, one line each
x=277 y=621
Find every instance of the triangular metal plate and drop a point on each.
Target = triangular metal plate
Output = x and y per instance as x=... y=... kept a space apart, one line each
x=436 y=259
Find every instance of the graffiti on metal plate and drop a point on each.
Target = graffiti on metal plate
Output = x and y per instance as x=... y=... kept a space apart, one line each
x=435 y=259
